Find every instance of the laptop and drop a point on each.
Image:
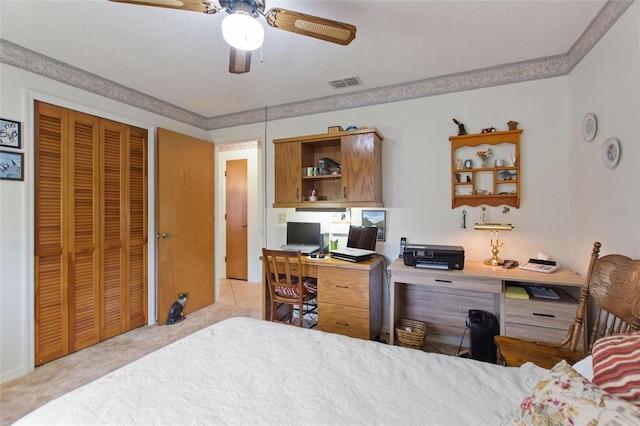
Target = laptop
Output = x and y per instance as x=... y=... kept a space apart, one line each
x=303 y=236
x=352 y=254
x=361 y=244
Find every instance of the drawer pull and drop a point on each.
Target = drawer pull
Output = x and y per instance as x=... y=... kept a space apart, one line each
x=444 y=281
x=345 y=324
x=544 y=315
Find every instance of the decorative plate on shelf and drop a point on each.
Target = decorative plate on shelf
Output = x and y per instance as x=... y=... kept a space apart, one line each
x=610 y=152
x=589 y=127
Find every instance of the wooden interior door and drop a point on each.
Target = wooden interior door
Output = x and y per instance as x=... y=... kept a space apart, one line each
x=113 y=229
x=84 y=230
x=51 y=261
x=236 y=219
x=137 y=228
x=185 y=209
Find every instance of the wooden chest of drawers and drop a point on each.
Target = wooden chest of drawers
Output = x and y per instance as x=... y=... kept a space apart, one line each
x=541 y=320
x=350 y=301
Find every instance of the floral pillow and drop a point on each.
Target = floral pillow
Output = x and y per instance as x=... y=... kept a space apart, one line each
x=616 y=365
x=564 y=397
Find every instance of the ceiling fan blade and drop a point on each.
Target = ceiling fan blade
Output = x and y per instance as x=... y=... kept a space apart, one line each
x=192 y=5
x=239 y=61
x=312 y=26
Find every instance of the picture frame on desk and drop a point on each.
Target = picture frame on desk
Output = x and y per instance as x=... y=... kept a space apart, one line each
x=376 y=218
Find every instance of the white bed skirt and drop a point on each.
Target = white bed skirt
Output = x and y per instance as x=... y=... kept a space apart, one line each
x=248 y=371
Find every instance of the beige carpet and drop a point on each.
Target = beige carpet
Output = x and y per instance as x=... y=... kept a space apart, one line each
x=23 y=395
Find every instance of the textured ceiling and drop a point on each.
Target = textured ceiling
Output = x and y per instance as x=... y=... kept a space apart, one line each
x=180 y=57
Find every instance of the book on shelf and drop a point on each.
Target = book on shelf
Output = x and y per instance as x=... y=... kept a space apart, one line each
x=543 y=292
x=514 y=292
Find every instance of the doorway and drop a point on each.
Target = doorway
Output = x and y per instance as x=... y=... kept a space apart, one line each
x=252 y=152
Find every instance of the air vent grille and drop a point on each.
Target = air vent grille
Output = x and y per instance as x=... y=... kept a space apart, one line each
x=345 y=82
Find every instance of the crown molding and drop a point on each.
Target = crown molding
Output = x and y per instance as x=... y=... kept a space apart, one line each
x=536 y=69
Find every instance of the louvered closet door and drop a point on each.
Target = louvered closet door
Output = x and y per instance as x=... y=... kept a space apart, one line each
x=113 y=229
x=91 y=230
x=51 y=252
x=136 y=225
x=84 y=211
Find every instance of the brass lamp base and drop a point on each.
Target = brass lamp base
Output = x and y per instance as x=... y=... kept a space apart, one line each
x=494 y=261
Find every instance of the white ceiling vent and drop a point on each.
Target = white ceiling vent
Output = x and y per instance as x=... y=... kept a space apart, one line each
x=345 y=82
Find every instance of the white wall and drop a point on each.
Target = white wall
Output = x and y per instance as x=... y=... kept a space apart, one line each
x=416 y=167
x=19 y=89
x=605 y=203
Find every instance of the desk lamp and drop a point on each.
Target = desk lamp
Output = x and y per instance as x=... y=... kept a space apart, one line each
x=494 y=260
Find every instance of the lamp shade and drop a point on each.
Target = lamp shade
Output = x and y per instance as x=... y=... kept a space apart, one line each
x=242 y=31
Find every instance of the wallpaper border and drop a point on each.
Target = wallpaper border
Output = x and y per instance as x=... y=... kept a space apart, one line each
x=536 y=69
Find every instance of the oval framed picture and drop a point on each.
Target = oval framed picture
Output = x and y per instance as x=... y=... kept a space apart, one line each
x=589 y=127
x=610 y=152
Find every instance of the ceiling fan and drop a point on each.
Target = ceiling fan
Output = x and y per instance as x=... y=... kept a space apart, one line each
x=244 y=33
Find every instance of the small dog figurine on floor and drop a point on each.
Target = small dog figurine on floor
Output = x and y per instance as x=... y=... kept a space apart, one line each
x=175 y=313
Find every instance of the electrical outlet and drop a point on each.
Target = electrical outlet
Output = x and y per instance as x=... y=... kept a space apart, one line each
x=282 y=218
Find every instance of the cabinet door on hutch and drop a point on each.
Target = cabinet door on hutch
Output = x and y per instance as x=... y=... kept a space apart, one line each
x=288 y=172
x=362 y=168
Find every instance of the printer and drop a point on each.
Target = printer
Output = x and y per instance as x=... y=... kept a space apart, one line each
x=434 y=256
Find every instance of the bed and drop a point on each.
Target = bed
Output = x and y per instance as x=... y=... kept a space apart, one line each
x=248 y=371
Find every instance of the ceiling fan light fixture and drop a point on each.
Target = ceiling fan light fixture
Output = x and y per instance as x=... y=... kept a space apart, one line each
x=242 y=31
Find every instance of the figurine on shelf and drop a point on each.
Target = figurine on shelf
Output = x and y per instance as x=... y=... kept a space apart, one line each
x=461 y=129
x=506 y=175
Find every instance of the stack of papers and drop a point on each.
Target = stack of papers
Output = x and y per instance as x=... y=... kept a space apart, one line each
x=516 y=293
x=543 y=292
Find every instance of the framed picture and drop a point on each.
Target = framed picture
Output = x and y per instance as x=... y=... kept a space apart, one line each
x=10 y=135
x=376 y=218
x=11 y=165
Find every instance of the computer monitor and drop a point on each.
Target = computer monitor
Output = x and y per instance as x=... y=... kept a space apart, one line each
x=362 y=237
x=303 y=233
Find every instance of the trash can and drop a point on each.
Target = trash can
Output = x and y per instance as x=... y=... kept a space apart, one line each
x=484 y=326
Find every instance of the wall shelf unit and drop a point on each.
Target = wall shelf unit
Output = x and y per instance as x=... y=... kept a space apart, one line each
x=495 y=183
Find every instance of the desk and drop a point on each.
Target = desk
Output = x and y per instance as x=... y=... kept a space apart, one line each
x=442 y=299
x=349 y=295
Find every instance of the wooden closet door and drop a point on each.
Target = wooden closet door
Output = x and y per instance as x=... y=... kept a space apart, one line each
x=84 y=214
x=51 y=240
x=112 y=228
x=136 y=227
x=90 y=230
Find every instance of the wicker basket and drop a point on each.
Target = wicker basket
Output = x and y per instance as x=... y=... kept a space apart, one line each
x=414 y=336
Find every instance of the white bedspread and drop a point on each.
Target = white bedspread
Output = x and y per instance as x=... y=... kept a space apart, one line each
x=247 y=371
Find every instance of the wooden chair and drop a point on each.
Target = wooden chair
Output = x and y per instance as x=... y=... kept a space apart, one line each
x=283 y=270
x=613 y=282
